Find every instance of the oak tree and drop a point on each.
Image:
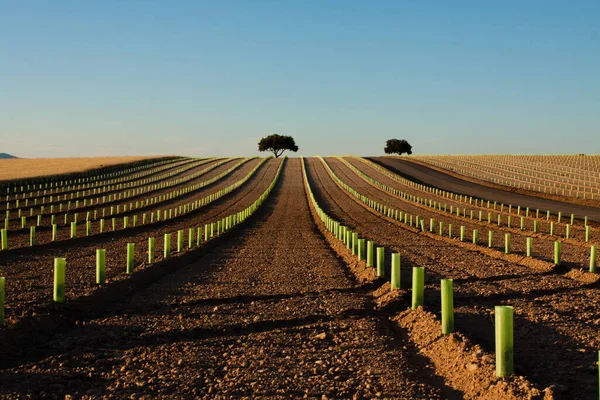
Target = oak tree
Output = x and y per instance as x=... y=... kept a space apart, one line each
x=277 y=144
x=397 y=146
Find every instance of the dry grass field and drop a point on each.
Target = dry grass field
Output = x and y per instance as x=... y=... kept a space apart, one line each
x=21 y=168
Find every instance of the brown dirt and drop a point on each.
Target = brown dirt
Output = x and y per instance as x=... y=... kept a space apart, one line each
x=25 y=168
x=272 y=312
x=276 y=308
x=19 y=238
x=552 y=311
x=574 y=254
x=167 y=172
x=534 y=193
x=28 y=271
x=439 y=178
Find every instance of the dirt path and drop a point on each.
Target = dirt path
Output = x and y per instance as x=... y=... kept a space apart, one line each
x=269 y=313
x=552 y=311
x=429 y=176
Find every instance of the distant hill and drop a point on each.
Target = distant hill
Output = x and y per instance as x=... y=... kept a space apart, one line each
x=4 y=155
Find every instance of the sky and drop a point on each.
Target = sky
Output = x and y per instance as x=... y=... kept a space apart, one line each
x=210 y=78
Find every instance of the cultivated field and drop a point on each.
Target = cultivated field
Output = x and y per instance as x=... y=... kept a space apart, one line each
x=23 y=168
x=571 y=176
x=263 y=277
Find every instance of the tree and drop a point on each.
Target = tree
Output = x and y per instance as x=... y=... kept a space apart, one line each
x=277 y=144
x=395 y=146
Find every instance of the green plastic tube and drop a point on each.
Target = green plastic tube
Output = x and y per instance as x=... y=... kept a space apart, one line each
x=100 y=266
x=59 y=279
x=535 y=226
x=370 y=255
x=130 y=258
x=551 y=228
x=361 y=250
x=167 y=245
x=190 y=238
x=447 y=306
x=395 y=278
x=180 y=240
x=73 y=229
x=2 y=296
x=450 y=230
x=4 y=234
x=522 y=223
x=32 y=235
x=380 y=261
x=88 y=228
x=462 y=233
x=557 y=251
x=504 y=341
x=507 y=243
x=567 y=231
x=593 y=254
x=54 y=232
x=418 y=287
x=559 y=217
x=354 y=243
x=490 y=239
x=150 y=250
x=475 y=236
x=587 y=233
x=199 y=236
x=529 y=246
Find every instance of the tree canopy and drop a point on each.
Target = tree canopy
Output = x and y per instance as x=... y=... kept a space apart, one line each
x=397 y=146
x=277 y=144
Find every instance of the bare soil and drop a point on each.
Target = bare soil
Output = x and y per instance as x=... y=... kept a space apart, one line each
x=435 y=177
x=555 y=318
x=276 y=308
x=272 y=312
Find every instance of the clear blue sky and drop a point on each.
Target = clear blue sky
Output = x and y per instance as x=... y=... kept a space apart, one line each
x=199 y=78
